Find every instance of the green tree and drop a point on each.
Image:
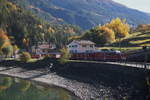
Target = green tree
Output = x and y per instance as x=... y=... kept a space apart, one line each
x=100 y=35
x=95 y=36
x=7 y=51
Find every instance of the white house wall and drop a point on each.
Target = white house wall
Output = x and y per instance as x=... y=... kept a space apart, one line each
x=79 y=48
x=85 y=49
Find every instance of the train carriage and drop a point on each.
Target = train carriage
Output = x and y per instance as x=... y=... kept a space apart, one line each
x=99 y=56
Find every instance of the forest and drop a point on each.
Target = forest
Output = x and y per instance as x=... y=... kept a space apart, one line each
x=24 y=29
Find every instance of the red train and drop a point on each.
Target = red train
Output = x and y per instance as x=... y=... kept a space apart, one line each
x=94 y=56
x=99 y=56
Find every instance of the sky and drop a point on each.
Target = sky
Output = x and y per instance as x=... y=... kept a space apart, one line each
x=142 y=5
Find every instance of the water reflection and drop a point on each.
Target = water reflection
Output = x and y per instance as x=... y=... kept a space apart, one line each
x=17 y=89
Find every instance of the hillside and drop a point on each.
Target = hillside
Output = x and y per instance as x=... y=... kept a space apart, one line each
x=24 y=26
x=134 y=41
x=137 y=40
x=84 y=13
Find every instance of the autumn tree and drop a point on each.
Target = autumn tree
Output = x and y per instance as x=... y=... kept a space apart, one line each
x=143 y=27
x=120 y=27
x=4 y=40
x=5 y=45
x=26 y=43
x=100 y=35
x=107 y=34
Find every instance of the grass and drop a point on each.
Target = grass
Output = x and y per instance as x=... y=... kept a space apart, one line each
x=140 y=41
x=122 y=48
x=32 y=60
x=146 y=44
x=8 y=58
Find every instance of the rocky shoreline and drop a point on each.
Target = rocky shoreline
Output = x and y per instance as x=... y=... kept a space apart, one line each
x=82 y=90
x=97 y=83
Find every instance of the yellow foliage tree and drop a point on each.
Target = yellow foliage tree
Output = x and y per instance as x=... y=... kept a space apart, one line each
x=12 y=6
x=121 y=28
x=51 y=30
x=4 y=40
x=26 y=42
x=108 y=34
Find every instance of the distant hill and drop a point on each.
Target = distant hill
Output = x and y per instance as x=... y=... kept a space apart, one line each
x=84 y=13
x=149 y=14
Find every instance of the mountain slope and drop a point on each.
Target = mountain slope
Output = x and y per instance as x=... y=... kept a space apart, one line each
x=22 y=27
x=84 y=13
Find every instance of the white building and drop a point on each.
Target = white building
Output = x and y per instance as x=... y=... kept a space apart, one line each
x=81 y=46
x=42 y=48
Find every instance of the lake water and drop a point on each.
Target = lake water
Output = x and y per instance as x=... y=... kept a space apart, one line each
x=17 y=89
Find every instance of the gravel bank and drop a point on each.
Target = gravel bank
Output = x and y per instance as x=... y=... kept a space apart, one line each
x=84 y=90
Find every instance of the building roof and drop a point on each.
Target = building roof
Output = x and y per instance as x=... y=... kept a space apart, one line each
x=81 y=42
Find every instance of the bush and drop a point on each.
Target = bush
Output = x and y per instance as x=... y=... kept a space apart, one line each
x=25 y=56
x=65 y=55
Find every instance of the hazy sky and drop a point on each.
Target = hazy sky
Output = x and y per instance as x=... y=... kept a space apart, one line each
x=143 y=5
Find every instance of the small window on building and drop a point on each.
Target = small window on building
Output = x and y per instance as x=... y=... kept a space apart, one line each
x=74 y=46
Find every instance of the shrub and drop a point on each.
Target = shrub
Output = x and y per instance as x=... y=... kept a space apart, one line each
x=65 y=55
x=25 y=56
x=7 y=51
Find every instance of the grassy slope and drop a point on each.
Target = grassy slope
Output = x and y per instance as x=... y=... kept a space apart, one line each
x=133 y=42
